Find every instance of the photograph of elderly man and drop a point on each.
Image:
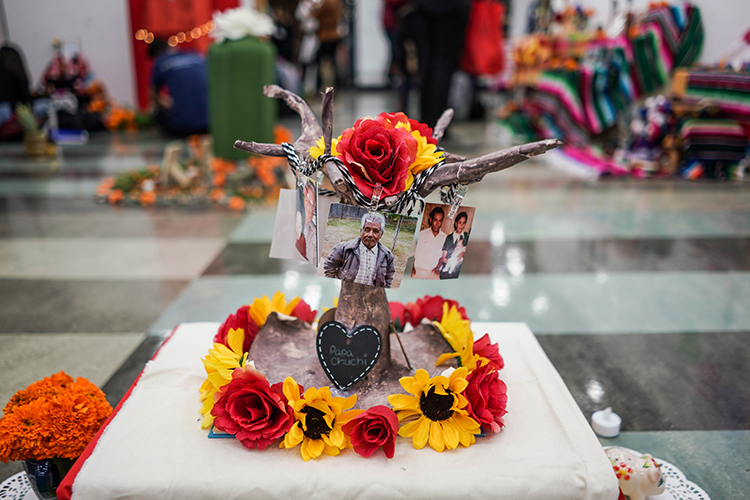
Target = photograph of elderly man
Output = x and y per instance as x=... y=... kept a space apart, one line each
x=370 y=248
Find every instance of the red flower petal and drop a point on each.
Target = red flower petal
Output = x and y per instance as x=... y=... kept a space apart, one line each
x=302 y=311
x=486 y=349
x=372 y=429
x=240 y=319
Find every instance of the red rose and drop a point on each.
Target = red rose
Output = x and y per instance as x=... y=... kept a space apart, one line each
x=391 y=120
x=398 y=315
x=240 y=319
x=484 y=348
x=430 y=307
x=372 y=429
x=374 y=153
x=256 y=413
x=302 y=311
x=487 y=398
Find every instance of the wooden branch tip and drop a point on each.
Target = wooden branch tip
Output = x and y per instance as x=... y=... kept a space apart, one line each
x=259 y=148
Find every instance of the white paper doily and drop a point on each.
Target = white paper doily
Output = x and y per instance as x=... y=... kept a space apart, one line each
x=676 y=485
x=17 y=487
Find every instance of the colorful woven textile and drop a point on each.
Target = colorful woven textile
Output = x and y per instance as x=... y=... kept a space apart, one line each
x=585 y=101
x=728 y=90
x=713 y=140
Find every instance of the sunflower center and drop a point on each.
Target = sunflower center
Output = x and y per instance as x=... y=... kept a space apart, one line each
x=316 y=424
x=436 y=406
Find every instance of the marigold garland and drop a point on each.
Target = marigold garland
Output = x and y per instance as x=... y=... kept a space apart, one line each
x=55 y=417
x=443 y=411
x=230 y=184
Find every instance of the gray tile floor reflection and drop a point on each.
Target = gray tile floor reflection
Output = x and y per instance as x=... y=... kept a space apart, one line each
x=636 y=289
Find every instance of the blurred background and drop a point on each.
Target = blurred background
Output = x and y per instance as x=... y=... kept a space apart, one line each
x=125 y=210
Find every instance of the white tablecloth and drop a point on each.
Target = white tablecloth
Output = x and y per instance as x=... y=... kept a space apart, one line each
x=154 y=447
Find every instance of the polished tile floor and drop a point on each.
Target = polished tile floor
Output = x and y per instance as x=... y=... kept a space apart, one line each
x=638 y=290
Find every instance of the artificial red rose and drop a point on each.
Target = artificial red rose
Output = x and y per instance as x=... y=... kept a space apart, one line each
x=391 y=120
x=255 y=412
x=486 y=349
x=430 y=307
x=240 y=319
x=374 y=153
x=487 y=397
x=398 y=315
x=302 y=311
x=372 y=429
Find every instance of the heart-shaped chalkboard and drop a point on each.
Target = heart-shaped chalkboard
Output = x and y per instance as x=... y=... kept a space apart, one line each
x=347 y=356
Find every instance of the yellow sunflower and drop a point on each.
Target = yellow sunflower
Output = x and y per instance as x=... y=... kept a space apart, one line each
x=427 y=154
x=457 y=332
x=220 y=362
x=261 y=308
x=436 y=410
x=318 y=420
x=319 y=148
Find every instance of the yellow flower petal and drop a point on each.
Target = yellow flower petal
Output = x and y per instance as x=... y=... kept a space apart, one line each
x=314 y=448
x=346 y=416
x=293 y=437
x=402 y=401
x=290 y=389
x=208 y=420
x=235 y=339
x=319 y=148
x=436 y=436
x=337 y=437
x=450 y=434
x=445 y=357
x=407 y=383
x=409 y=429
x=331 y=450
x=422 y=434
x=467 y=423
x=422 y=377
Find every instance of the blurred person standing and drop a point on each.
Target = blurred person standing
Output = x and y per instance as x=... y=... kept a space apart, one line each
x=397 y=16
x=329 y=14
x=440 y=27
x=184 y=111
x=308 y=48
x=14 y=90
x=14 y=82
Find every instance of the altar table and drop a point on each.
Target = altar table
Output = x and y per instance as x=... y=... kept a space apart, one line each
x=153 y=447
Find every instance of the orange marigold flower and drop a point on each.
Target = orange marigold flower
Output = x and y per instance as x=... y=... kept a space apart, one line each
x=222 y=165
x=148 y=198
x=53 y=418
x=236 y=203
x=217 y=194
x=115 y=196
x=282 y=134
x=219 y=179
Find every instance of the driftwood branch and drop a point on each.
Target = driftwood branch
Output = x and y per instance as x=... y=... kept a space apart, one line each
x=474 y=170
x=442 y=124
x=326 y=119
x=454 y=169
x=451 y=158
x=310 y=133
x=332 y=171
x=260 y=148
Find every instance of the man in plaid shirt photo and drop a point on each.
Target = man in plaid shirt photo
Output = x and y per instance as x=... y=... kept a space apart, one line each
x=363 y=259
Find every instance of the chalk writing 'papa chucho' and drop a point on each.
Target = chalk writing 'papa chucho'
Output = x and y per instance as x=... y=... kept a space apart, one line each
x=345 y=357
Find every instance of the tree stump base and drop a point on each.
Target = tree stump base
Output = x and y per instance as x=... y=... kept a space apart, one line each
x=287 y=349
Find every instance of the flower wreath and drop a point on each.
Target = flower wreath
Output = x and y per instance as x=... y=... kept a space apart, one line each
x=390 y=150
x=444 y=411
